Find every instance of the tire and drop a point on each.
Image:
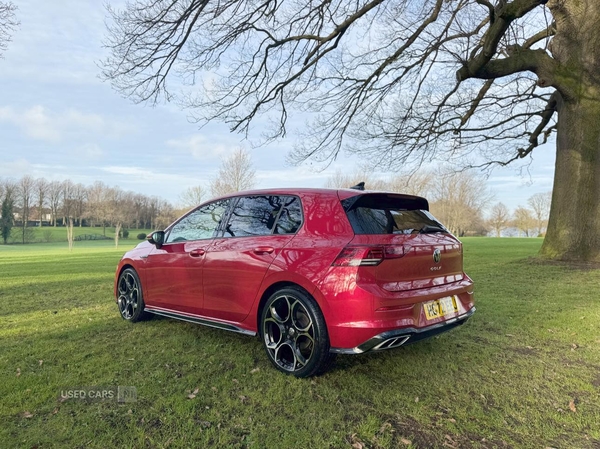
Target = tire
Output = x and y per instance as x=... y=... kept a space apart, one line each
x=294 y=333
x=130 y=299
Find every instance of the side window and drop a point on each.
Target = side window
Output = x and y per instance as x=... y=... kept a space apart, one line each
x=290 y=218
x=253 y=215
x=200 y=224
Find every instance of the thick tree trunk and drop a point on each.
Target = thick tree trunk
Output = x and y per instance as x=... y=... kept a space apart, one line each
x=574 y=226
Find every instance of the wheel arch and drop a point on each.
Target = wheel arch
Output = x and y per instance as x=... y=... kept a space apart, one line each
x=120 y=270
x=272 y=289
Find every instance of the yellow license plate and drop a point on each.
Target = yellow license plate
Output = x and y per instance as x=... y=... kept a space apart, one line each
x=440 y=307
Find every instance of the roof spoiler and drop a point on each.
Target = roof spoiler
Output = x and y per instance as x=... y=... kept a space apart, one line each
x=359 y=186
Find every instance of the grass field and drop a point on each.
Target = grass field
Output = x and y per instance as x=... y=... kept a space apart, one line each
x=523 y=373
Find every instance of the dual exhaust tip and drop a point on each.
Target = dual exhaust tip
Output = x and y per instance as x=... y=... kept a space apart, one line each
x=390 y=343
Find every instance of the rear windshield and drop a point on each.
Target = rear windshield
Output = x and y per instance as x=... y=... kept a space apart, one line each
x=387 y=214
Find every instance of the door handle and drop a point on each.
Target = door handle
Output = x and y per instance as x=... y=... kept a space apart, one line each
x=264 y=250
x=197 y=252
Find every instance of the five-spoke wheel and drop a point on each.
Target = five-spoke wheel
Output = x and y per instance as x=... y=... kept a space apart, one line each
x=130 y=299
x=294 y=333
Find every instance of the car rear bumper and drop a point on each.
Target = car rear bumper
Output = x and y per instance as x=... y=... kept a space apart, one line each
x=399 y=337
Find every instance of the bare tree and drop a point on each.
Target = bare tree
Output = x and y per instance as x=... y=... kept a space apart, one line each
x=25 y=191
x=54 y=198
x=41 y=188
x=192 y=197
x=394 y=81
x=540 y=205
x=163 y=213
x=458 y=200
x=68 y=201
x=418 y=183
x=79 y=196
x=98 y=207
x=235 y=174
x=8 y=24
x=115 y=208
x=499 y=218
x=523 y=220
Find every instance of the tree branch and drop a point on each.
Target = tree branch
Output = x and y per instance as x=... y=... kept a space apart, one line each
x=504 y=17
x=520 y=60
x=544 y=34
x=540 y=130
x=8 y=24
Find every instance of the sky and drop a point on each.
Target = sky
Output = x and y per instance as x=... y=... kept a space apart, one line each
x=58 y=120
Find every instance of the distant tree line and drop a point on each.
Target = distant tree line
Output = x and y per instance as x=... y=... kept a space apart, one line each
x=29 y=202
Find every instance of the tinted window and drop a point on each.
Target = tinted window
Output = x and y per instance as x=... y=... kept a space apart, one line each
x=388 y=215
x=253 y=215
x=290 y=217
x=200 y=224
x=258 y=215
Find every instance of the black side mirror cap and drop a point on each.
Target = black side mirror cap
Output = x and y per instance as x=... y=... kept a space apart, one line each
x=157 y=238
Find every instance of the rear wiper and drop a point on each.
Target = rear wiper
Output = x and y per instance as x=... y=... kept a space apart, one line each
x=428 y=229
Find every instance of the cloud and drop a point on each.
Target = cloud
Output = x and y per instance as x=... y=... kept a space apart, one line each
x=129 y=171
x=40 y=123
x=139 y=175
x=297 y=176
x=91 y=151
x=15 y=168
x=202 y=147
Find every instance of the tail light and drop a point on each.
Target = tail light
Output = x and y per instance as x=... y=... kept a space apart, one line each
x=355 y=256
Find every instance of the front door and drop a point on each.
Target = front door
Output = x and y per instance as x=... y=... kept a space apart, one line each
x=174 y=276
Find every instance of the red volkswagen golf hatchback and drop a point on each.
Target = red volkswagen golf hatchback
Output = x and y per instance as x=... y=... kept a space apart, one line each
x=313 y=272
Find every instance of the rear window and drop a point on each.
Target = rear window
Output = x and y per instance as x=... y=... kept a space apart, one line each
x=389 y=214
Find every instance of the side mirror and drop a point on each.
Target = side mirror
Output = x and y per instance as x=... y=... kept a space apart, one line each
x=157 y=238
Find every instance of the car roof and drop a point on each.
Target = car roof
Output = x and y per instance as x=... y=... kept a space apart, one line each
x=301 y=191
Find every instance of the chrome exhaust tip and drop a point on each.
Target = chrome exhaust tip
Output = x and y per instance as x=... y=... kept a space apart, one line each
x=391 y=343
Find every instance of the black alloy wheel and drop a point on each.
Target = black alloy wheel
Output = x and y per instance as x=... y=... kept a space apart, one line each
x=294 y=333
x=130 y=298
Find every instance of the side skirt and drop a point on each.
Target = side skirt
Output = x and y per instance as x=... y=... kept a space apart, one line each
x=197 y=320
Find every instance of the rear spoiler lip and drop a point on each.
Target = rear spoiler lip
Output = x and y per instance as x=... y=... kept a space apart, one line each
x=420 y=202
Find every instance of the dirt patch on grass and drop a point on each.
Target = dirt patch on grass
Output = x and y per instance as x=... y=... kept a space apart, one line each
x=524 y=350
x=422 y=436
x=410 y=429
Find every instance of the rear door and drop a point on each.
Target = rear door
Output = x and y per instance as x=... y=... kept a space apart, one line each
x=257 y=229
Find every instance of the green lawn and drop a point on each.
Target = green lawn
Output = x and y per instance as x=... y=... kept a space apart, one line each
x=523 y=373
